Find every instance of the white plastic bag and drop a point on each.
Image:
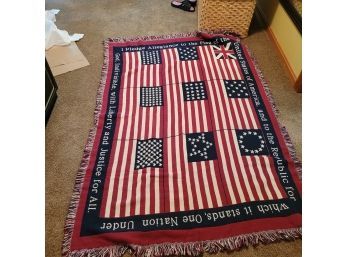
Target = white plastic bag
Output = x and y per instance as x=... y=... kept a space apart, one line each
x=55 y=36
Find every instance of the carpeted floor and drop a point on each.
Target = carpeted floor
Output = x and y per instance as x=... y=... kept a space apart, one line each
x=72 y=117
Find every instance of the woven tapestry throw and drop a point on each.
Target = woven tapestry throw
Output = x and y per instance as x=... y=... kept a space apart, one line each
x=186 y=155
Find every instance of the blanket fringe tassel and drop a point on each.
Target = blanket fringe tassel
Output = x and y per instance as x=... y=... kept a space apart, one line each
x=191 y=248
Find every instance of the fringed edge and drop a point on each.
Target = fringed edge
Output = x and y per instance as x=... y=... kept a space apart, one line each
x=150 y=38
x=285 y=133
x=194 y=248
x=165 y=249
x=70 y=220
x=171 y=36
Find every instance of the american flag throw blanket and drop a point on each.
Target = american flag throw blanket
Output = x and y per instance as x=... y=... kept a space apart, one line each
x=186 y=155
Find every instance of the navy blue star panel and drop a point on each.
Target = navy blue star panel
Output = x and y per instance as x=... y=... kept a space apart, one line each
x=200 y=147
x=150 y=57
x=187 y=53
x=149 y=153
x=251 y=142
x=151 y=96
x=236 y=89
x=194 y=91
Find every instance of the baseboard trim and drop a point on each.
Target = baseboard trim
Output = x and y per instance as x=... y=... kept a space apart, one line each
x=277 y=45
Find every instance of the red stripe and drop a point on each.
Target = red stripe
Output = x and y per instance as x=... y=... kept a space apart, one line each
x=239 y=70
x=238 y=167
x=152 y=191
x=247 y=112
x=240 y=114
x=126 y=110
x=259 y=179
x=181 y=139
x=175 y=174
x=128 y=167
x=230 y=71
x=229 y=168
x=216 y=119
x=250 y=179
x=254 y=112
x=276 y=177
x=134 y=186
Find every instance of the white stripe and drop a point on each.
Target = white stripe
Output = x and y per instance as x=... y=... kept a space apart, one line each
x=130 y=181
x=236 y=112
x=184 y=71
x=115 y=161
x=140 y=171
x=157 y=190
x=112 y=181
x=157 y=195
x=241 y=164
x=171 y=58
x=147 y=190
x=151 y=76
x=187 y=173
x=177 y=149
x=158 y=83
x=158 y=121
x=166 y=66
x=229 y=68
x=191 y=77
x=263 y=178
x=135 y=134
x=274 y=184
x=227 y=101
x=120 y=182
x=197 y=71
x=223 y=116
x=206 y=185
x=210 y=50
x=220 y=86
x=253 y=176
x=175 y=53
x=144 y=78
x=198 y=189
x=170 y=175
x=251 y=114
x=215 y=184
x=137 y=193
x=222 y=113
x=234 y=169
x=188 y=183
x=169 y=144
x=245 y=118
x=150 y=120
x=224 y=166
x=236 y=69
x=213 y=104
x=195 y=106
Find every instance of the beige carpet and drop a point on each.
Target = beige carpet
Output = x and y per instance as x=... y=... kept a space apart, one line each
x=72 y=117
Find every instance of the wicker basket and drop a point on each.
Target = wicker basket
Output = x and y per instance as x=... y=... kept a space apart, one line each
x=226 y=15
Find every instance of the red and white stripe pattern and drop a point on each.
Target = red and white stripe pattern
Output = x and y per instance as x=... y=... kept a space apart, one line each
x=246 y=178
x=190 y=185
x=181 y=185
x=132 y=192
x=228 y=113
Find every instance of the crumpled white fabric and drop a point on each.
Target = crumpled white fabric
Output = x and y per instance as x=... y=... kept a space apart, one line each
x=55 y=36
